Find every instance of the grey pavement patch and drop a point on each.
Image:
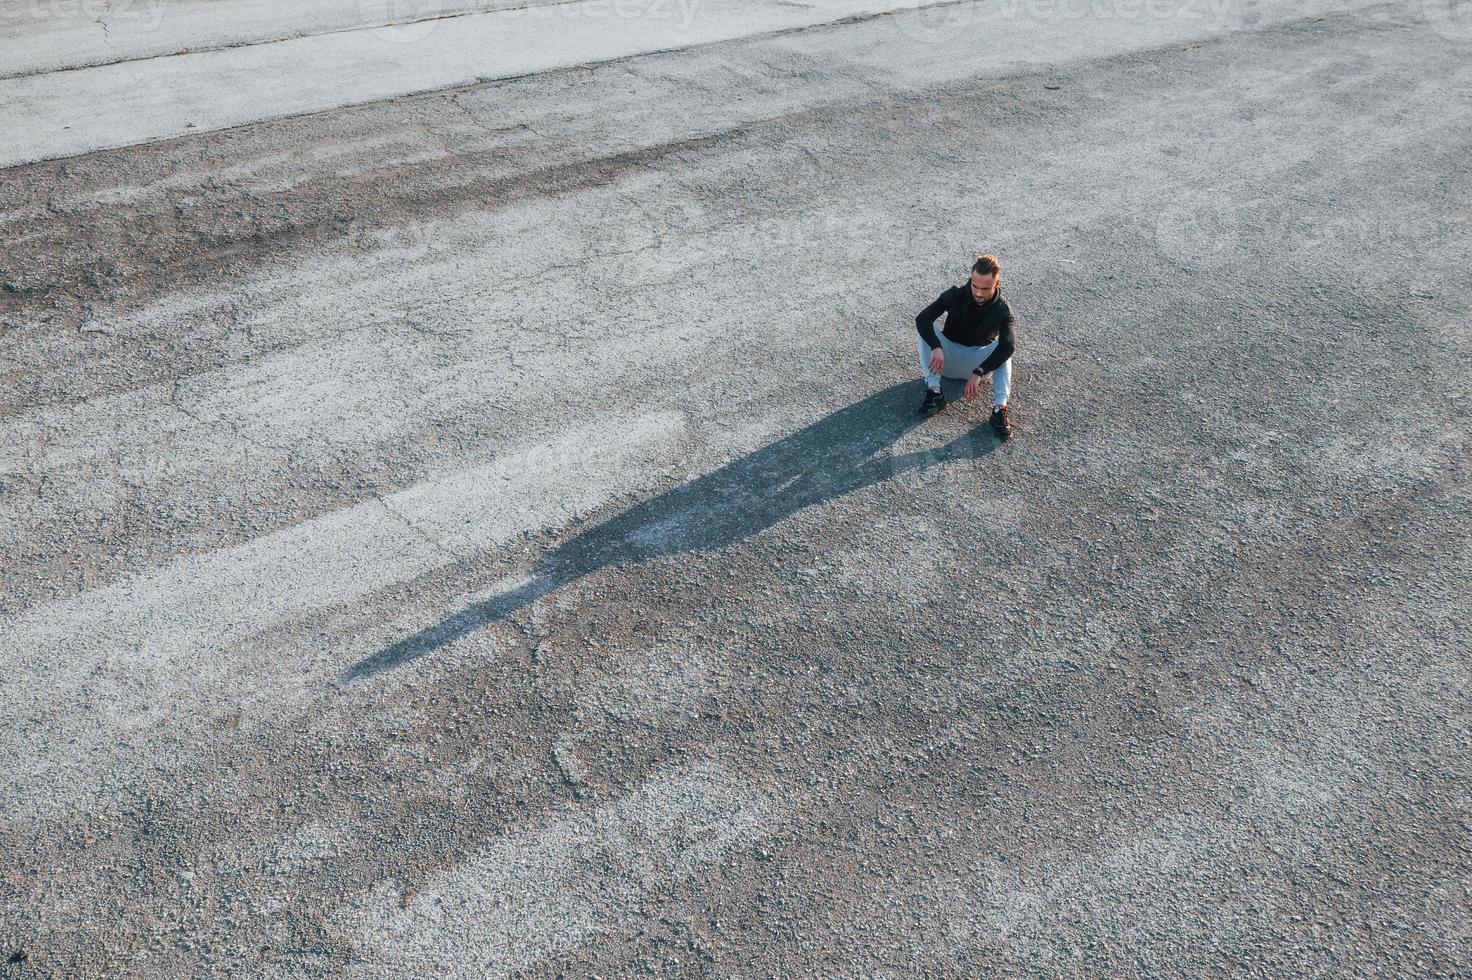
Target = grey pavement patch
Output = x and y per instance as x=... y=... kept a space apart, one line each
x=1451 y=19
x=553 y=888
x=658 y=687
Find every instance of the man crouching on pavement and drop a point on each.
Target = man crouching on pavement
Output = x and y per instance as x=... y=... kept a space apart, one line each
x=978 y=340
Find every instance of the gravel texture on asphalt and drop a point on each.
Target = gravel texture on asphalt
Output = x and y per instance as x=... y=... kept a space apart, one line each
x=488 y=532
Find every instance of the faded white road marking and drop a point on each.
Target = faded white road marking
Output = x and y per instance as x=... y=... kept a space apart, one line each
x=65 y=113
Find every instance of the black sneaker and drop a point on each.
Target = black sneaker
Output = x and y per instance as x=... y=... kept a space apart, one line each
x=935 y=400
x=1001 y=424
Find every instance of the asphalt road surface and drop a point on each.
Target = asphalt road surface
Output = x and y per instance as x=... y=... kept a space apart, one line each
x=463 y=513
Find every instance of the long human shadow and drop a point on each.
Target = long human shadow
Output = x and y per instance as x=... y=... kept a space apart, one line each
x=833 y=456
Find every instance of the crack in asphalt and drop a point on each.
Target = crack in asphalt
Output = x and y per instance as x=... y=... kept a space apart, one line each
x=435 y=544
x=229 y=425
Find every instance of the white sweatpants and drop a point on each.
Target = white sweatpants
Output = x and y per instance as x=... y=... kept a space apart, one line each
x=961 y=361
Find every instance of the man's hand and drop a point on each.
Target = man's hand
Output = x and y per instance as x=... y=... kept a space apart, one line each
x=937 y=361
x=973 y=387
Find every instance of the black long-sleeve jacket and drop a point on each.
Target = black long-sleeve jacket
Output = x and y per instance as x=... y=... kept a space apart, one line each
x=972 y=324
